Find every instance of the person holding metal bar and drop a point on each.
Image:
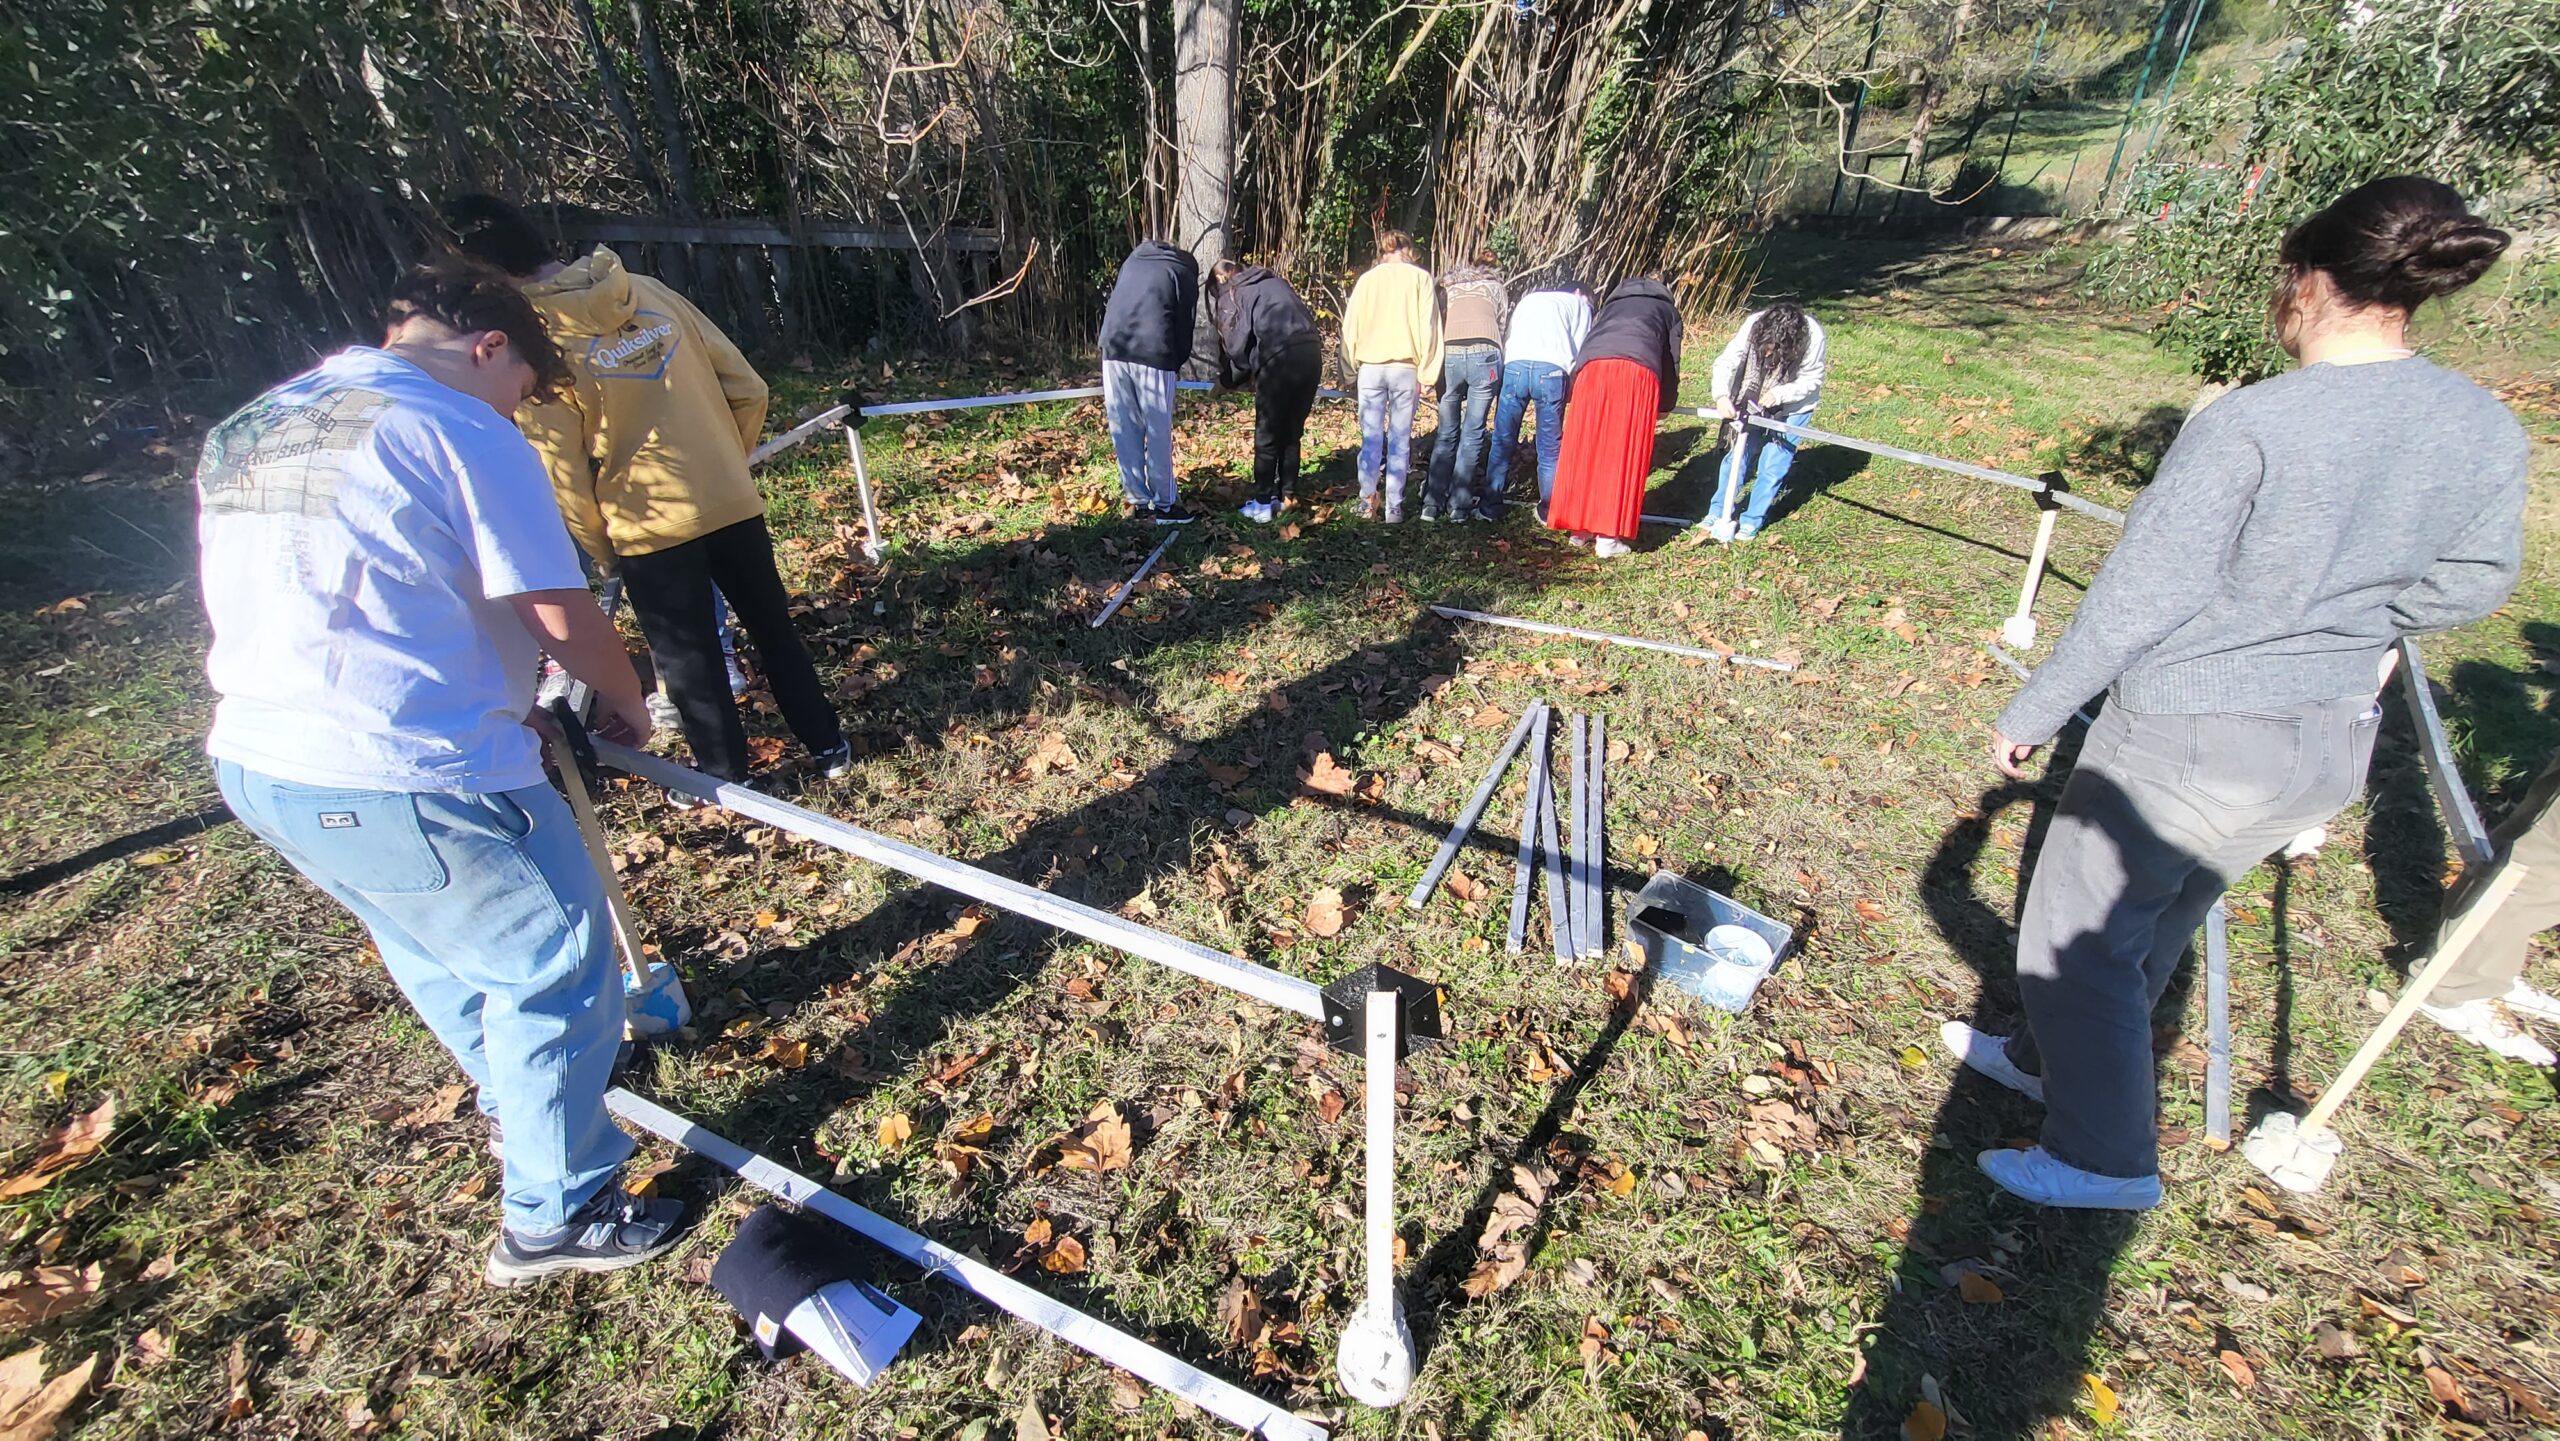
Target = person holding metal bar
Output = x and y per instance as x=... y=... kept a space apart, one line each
x=2490 y=975
x=1772 y=367
x=1146 y=340
x=1624 y=380
x=1546 y=332
x=1474 y=307
x=2242 y=627
x=647 y=450
x=1391 y=343
x=1267 y=338
x=382 y=563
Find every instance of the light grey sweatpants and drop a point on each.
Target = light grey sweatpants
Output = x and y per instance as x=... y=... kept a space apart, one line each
x=1138 y=400
x=2160 y=816
x=1387 y=395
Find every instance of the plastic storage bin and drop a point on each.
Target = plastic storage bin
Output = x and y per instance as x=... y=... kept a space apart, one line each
x=1669 y=922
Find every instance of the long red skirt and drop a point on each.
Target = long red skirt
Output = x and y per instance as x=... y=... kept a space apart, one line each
x=1608 y=450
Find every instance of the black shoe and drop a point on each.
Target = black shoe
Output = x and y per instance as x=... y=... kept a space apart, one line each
x=836 y=760
x=1172 y=514
x=613 y=1231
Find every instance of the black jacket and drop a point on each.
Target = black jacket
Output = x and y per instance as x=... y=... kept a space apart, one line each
x=1153 y=306
x=1258 y=316
x=1639 y=322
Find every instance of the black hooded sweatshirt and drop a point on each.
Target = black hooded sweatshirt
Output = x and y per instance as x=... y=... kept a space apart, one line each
x=1259 y=315
x=1640 y=322
x=1153 y=306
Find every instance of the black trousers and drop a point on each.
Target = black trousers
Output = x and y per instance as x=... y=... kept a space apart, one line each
x=670 y=592
x=1283 y=392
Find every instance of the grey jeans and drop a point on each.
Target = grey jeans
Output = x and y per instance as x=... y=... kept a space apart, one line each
x=2160 y=816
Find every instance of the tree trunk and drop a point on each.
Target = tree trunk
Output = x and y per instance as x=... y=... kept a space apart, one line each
x=1915 y=155
x=1204 y=107
x=668 y=109
x=618 y=100
x=1204 y=112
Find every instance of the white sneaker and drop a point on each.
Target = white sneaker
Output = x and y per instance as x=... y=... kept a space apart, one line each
x=2479 y=1023
x=2033 y=1175
x=1255 y=511
x=1989 y=1054
x=2524 y=1000
x=662 y=711
x=2306 y=844
x=1609 y=548
x=1720 y=531
x=1395 y=512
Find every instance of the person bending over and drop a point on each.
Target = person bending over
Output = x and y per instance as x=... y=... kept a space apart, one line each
x=1146 y=340
x=647 y=449
x=1624 y=380
x=2241 y=628
x=1547 y=328
x=383 y=564
x=1267 y=338
x=1391 y=342
x=1474 y=307
x=1771 y=368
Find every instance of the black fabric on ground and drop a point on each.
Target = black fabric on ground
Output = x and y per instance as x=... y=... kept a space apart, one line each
x=780 y=1259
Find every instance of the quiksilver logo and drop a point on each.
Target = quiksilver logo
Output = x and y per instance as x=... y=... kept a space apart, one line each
x=612 y=356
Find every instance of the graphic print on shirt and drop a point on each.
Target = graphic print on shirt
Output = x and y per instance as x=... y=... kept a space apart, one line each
x=279 y=456
x=640 y=350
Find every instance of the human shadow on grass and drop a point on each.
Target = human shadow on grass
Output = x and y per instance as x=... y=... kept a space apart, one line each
x=37 y=877
x=2053 y=572
x=1691 y=489
x=2007 y=1369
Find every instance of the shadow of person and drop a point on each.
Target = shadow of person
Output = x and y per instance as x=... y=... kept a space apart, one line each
x=2005 y=1369
x=1690 y=489
x=2405 y=843
x=2505 y=722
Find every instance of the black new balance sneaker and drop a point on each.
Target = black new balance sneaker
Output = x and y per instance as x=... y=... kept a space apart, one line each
x=615 y=1230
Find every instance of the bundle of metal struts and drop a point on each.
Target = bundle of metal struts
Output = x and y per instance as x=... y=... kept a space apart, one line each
x=1572 y=853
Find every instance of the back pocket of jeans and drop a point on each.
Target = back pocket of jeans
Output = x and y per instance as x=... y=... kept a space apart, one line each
x=2243 y=760
x=370 y=841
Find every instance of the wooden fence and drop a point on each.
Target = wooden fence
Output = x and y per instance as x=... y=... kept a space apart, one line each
x=824 y=283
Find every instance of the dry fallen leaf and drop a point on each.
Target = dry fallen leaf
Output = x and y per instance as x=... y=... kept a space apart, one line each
x=1128 y=1393
x=1241 y=1309
x=1325 y=775
x=2241 y=1374
x=77 y=1141
x=1978 y=1289
x=2102 y=1400
x=1495 y=1272
x=895 y=1129
x=1029 y=1424
x=1325 y=914
x=1329 y=1105
x=1466 y=887
x=1038 y=1232
x=1105 y=1144
x=1925 y=1423
x=1065 y=1258
x=47 y=1292
x=1869 y=911
x=2440 y=1384
x=31 y=1406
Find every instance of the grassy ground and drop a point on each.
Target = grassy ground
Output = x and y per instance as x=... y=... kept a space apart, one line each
x=1675 y=1222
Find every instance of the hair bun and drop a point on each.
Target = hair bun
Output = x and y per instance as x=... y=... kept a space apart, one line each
x=2447 y=252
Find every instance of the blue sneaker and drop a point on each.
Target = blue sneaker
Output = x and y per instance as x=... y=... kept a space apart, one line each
x=613 y=1231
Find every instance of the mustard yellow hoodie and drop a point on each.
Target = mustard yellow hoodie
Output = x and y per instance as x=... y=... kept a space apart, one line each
x=1393 y=318
x=649 y=449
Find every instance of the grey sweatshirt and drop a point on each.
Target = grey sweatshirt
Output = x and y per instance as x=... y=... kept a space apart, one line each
x=2297 y=529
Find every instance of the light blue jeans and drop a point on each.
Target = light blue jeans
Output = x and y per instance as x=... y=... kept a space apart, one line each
x=489 y=917
x=1525 y=383
x=1776 y=455
x=1387 y=397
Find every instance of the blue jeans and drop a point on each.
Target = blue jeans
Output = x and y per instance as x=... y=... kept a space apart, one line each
x=1470 y=375
x=1775 y=455
x=489 y=916
x=1524 y=381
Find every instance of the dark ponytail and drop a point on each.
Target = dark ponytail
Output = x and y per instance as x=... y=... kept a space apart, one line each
x=2397 y=242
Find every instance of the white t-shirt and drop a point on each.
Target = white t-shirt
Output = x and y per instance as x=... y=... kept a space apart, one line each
x=361 y=526
x=1547 y=325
